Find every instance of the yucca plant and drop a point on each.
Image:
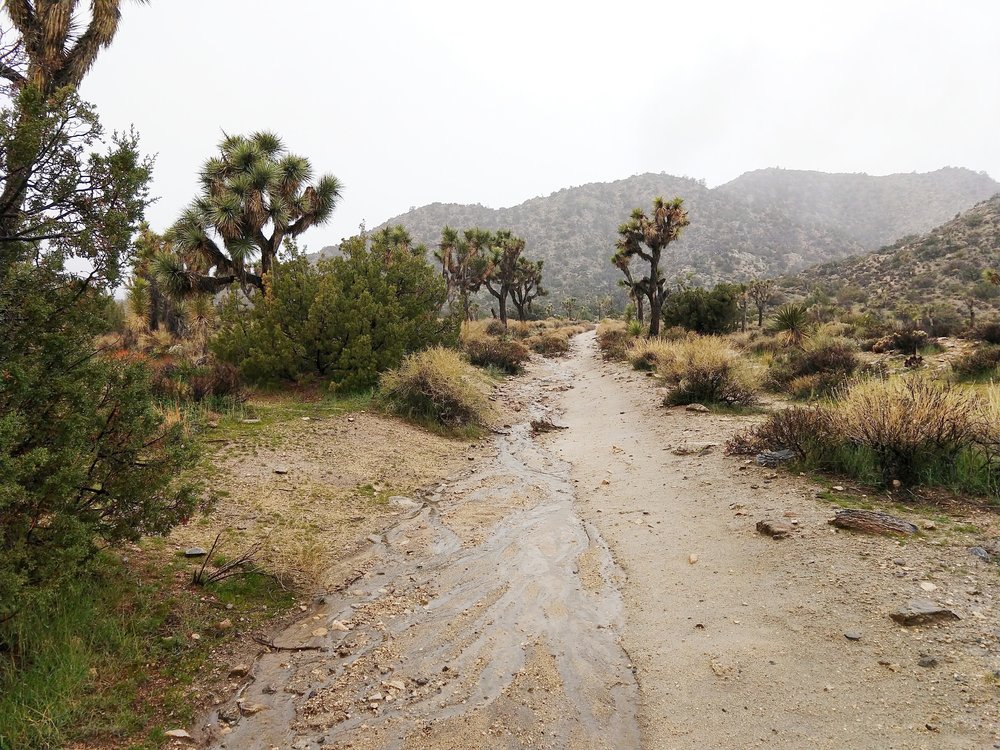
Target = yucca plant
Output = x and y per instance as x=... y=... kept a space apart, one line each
x=791 y=322
x=255 y=195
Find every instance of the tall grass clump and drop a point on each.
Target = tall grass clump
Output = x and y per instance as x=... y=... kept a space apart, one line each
x=913 y=430
x=704 y=369
x=647 y=354
x=976 y=364
x=436 y=386
x=613 y=338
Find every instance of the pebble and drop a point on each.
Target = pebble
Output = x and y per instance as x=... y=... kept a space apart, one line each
x=853 y=635
x=195 y=552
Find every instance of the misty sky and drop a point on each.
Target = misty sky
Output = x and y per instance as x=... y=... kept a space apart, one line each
x=411 y=103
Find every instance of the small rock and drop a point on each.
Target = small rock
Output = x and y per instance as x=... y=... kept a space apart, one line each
x=404 y=503
x=922 y=611
x=253 y=420
x=773 y=458
x=837 y=488
x=195 y=637
x=249 y=709
x=927 y=661
x=320 y=632
x=240 y=670
x=178 y=734
x=692 y=559
x=280 y=469
x=226 y=624
x=195 y=552
x=395 y=684
x=928 y=525
x=338 y=625
x=853 y=635
x=698 y=408
x=928 y=586
x=270 y=689
x=774 y=529
x=981 y=553
x=212 y=424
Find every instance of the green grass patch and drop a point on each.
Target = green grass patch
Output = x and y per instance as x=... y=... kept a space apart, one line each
x=76 y=667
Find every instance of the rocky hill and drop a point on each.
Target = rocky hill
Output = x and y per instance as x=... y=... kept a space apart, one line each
x=941 y=268
x=767 y=222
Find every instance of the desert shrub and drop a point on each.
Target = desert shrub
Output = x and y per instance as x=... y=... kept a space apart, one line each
x=550 y=343
x=344 y=319
x=903 y=340
x=914 y=428
x=613 y=338
x=704 y=311
x=816 y=369
x=436 y=385
x=988 y=332
x=184 y=381
x=495 y=328
x=705 y=370
x=502 y=353
x=791 y=323
x=977 y=363
x=646 y=354
x=86 y=457
x=808 y=431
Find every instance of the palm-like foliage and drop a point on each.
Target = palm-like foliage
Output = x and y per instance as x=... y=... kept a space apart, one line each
x=505 y=255
x=254 y=196
x=59 y=49
x=647 y=237
x=464 y=263
x=791 y=321
x=527 y=285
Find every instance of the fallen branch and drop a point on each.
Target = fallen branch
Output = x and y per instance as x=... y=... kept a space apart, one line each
x=276 y=647
x=872 y=522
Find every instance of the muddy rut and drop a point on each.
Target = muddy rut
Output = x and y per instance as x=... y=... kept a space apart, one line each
x=489 y=617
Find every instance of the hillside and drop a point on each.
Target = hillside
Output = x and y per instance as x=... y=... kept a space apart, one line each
x=942 y=267
x=764 y=223
x=873 y=211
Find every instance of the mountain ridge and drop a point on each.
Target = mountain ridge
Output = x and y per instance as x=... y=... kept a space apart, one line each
x=765 y=222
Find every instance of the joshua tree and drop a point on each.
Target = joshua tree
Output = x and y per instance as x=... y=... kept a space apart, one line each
x=603 y=306
x=647 y=237
x=255 y=195
x=55 y=51
x=527 y=286
x=571 y=305
x=633 y=287
x=760 y=292
x=464 y=264
x=502 y=276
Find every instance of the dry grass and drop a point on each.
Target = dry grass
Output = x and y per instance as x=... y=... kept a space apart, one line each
x=436 y=386
x=706 y=369
x=613 y=338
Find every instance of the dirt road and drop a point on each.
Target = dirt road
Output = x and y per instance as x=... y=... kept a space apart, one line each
x=591 y=588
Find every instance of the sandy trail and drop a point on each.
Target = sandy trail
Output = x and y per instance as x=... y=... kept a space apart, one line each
x=745 y=647
x=497 y=616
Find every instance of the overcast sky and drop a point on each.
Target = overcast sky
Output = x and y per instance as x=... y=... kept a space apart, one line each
x=495 y=103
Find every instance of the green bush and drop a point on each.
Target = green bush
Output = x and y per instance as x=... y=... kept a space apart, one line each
x=704 y=311
x=977 y=363
x=85 y=456
x=817 y=369
x=436 y=386
x=345 y=319
x=988 y=332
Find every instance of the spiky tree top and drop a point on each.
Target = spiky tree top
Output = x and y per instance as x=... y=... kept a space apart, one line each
x=646 y=237
x=61 y=41
x=254 y=196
